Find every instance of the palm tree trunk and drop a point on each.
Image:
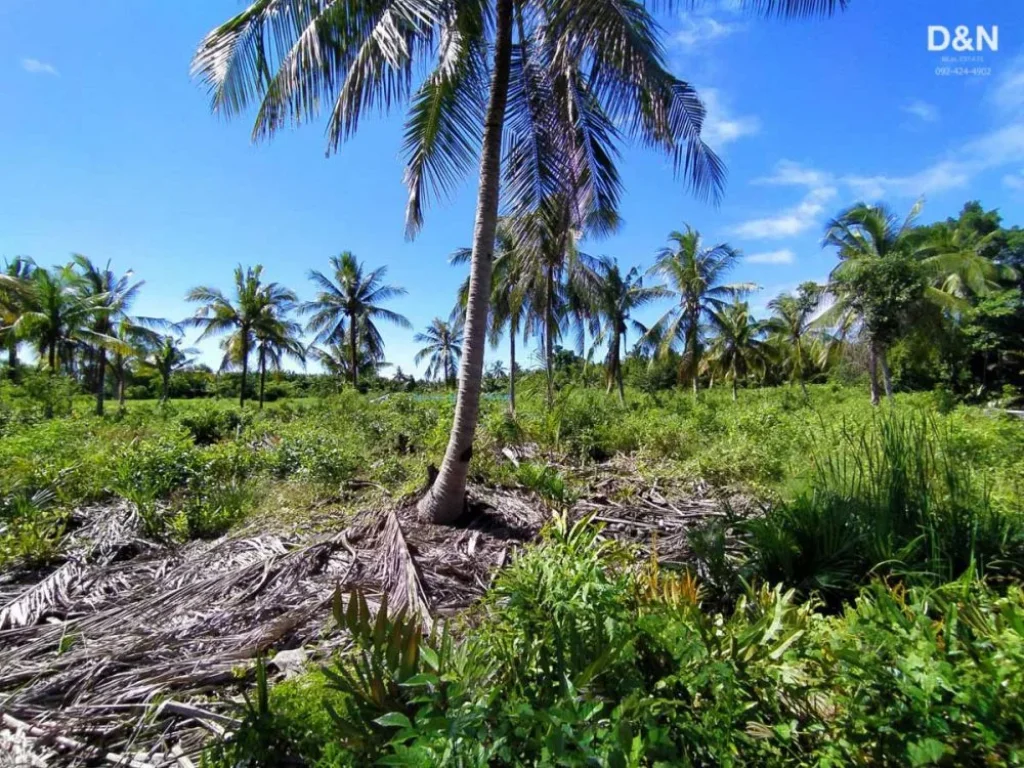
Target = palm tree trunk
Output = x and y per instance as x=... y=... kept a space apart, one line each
x=12 y=359
x=166 y=376
x=101 y=379
x=245 y=374
x=53 y=357
x=352 y=352
x=618 y=370
x=735 y=396
x=883 y=363
x=512 y=371
x=445 y=500
x=873 y=372
x=549 y=345
x=120 y=382
x=263 y=375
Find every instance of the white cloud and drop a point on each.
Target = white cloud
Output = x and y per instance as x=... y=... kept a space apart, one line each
x=791 y=221
x=37 y=67
x=1014 y=181
x=788 y=172
x=699 y=30
x=943 y=175
x=922 y=110
x=783 y=256
x=720 y=126
x=1008 y=93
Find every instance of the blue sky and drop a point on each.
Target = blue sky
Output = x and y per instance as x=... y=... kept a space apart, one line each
x=107 y=148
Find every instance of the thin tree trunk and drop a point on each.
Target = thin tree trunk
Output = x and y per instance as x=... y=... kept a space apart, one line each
x=549 y=347
x=245 y=374
x=12 y=360
x=883 y=363
x=803 y=386
x=618 y=371
x=101 y=380
x=445 y=500
x=166 y=376
x=53 y=358
x=263 y=375
x=512 y=372
x=873 y=373
x=352 y=352
x=735 y=396
x=120 y=382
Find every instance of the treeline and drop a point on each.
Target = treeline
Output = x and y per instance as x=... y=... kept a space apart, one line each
x=907 y=306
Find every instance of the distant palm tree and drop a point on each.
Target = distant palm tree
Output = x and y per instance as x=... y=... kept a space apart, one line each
x=549 y=82
x=736 y=348
x=347 y=308
x=878 y=282
x=113 y=296
x=168 y=358
x=791 y=332
x=135 y=340
x=336 y=360
x=616 y=297
x=238 y=317
x=58 y=315
x=443 y=350
x=15 y=291
x=277 y=337
x=694 y=275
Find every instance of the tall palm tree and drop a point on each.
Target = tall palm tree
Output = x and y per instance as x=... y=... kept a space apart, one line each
x=616 y=297
x=277 y=337
x=791 y=333
x=347 y=308
x=15 y=290
x=563 y=77
x=237 y=317
x=693 y=273
x=168 y=358
x=336 y=360
x=136 y=338
x=113 y=296
x=443 y=348
x=879 y=280
x=736 y=348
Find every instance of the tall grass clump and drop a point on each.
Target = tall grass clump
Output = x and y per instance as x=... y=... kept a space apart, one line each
x=892 y=496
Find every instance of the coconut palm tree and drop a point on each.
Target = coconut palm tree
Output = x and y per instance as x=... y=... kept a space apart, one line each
x=15 y=292
x=348 y=306
x=277 y=337
x=879 y=281
x=336 y=360
x=113 y=296
x=238 y=317
x=693 y=273
x=563 y=77
x=135 y=340
x=442 y=350
x=58 y=315
x=736 y=348
x=616 y=297
x=168 y=358
x=791 y=333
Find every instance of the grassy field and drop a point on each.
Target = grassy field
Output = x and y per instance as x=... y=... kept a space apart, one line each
x=867 y=612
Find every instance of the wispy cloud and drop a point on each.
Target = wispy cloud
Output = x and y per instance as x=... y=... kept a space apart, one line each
x=922 y=110
x=1008 y=92
x=1014 y=181
x=699 y=30
x=797 y=218
x=721 y=127
x=783 y=256
x=37 y=67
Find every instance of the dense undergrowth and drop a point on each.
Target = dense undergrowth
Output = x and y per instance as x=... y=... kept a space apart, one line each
x=578 y=658
x=871 y=615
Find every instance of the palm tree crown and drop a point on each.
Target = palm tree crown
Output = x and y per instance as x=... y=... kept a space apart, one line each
x=348 y=306
x=442 y=350
x=693 y=273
